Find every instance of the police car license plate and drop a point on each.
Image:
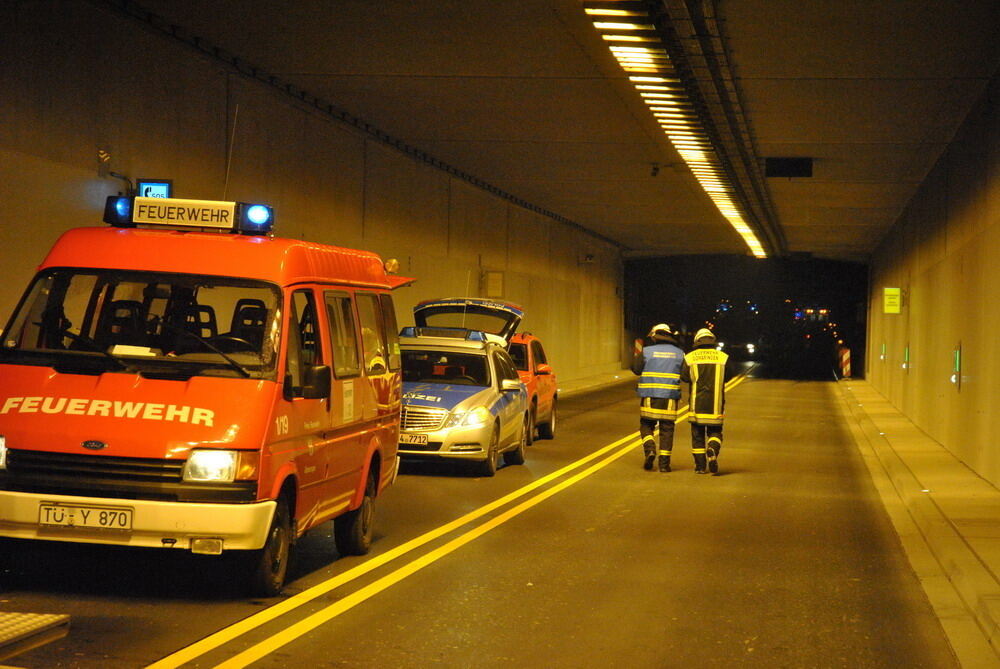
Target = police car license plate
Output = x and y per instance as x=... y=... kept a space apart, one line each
x=420 y=439
x=85 y=517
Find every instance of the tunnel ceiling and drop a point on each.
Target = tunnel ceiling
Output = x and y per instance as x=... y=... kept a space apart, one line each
x=525 y=95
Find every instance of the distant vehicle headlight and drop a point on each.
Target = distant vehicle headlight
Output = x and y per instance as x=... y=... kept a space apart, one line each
x=476 y=417
x=751 y=348
x=211 y=465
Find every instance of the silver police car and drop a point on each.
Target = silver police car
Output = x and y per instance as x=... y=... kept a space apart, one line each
x=462 y=399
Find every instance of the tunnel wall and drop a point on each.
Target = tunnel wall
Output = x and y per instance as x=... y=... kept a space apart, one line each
x=944 y=253
x=77 y=80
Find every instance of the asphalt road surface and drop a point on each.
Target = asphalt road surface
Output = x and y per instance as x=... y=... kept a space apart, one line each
x=579 y=558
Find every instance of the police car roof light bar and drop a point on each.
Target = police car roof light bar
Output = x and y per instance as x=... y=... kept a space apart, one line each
x=449 y=333
x=236 y=217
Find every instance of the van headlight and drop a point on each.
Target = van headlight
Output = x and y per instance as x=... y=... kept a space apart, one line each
x=472 y=418
x=3 y=452
x=215 y=466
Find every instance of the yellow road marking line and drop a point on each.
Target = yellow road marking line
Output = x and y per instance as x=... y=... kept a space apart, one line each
x=250 y=623
x=324 y=615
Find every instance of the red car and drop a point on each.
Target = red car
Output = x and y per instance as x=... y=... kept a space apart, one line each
x=500 y=319
x=536 y=374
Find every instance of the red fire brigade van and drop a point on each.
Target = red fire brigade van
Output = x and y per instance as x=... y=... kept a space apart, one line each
x=205 y=387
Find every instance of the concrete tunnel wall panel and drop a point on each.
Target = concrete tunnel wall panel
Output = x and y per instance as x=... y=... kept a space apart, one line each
x=82 y=80
x=943 y=252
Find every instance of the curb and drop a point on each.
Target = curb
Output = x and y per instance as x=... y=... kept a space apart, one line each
x=972 y=607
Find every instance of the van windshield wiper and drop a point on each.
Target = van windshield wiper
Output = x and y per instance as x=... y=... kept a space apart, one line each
x=179 y=330
x=92 y=345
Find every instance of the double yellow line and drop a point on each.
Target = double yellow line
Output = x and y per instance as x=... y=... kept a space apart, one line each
x=616 y=449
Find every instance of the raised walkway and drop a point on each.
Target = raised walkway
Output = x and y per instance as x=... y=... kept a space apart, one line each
x=947 y=517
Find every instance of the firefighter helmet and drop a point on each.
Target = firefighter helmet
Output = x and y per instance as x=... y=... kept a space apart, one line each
x=704 y=336
x=661 y=329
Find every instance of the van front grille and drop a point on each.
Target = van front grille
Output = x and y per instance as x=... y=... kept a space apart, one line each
x=113 y=477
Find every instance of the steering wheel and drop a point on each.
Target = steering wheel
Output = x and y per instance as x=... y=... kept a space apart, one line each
x=231 y=344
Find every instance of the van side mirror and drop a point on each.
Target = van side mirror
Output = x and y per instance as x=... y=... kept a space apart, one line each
x=543 y=368
x=317 y=382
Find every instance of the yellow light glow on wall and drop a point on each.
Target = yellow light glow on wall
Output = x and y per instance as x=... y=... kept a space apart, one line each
x=668 y=102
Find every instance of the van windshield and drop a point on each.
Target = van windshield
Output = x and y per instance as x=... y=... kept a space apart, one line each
x=156 y=324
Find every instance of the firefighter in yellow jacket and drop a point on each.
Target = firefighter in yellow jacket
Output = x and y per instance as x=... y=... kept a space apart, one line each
x=706 y=369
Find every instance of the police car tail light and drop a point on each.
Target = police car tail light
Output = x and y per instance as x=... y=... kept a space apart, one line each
x=254 y=219
x=3 y=452
x=473 y=418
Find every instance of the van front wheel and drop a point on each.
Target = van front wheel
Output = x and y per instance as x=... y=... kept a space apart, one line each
x=269 y=565
x=353 y=531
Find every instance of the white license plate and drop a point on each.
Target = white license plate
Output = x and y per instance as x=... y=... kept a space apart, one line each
x=420 y=439
x=85 y=517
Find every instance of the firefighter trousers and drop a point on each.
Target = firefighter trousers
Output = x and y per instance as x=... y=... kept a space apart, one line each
x=655 y=412
x=706 y=442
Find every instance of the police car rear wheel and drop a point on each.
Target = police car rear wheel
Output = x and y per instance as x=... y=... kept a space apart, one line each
x=269 y=565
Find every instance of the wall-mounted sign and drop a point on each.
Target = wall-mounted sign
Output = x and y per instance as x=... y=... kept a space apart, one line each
x=892 y=299
x=153 y=187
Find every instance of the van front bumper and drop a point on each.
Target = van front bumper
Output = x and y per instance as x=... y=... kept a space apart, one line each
x=154 y=524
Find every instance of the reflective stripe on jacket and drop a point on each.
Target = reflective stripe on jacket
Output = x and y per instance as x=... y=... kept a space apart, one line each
x=660 y=375
x=705 y=370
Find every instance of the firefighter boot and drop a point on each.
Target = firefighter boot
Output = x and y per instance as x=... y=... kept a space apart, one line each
x=713 y=456
x=699 y=463
x=650 y=454
x=664 y=463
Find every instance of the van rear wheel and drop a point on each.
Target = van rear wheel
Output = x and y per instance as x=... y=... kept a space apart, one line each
x=269 y=565
x=354 y=530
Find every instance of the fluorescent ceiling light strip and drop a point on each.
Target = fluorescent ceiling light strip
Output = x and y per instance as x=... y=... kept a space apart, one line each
x=628 y=38
x=679 y=123
x=608 y=25
x=598 y=11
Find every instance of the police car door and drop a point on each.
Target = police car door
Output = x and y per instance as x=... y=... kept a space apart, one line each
x=511 y=403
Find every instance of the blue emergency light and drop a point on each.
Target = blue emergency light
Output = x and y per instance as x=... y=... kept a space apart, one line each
x=254 y=219
x=118 y=211
x=451 y=333
x=238 y=217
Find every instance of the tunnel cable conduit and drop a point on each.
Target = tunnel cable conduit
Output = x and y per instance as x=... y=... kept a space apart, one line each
x=158 y=24
x=710 y=136
x=613 y=451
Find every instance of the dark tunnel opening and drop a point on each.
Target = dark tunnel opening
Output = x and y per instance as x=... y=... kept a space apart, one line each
x=792 y=317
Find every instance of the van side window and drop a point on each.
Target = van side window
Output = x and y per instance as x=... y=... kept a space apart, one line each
x=372 y=333
x=391 y=330
x=303 y=343
x=343 y=334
